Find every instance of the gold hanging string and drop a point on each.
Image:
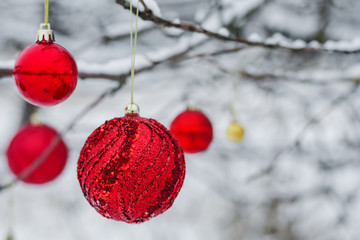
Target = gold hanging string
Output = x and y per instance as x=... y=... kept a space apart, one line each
x=133 y=45
x=233 y=100
x=10 y=213
x=46 y=13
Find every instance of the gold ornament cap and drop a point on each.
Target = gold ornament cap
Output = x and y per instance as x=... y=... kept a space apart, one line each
x=191 y=107
x=132 y=108
x=35 y=119
x=45 y=33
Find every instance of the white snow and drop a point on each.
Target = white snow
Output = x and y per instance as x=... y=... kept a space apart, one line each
x=123 y=29
x=174 y=31
x=353 y=71
x=254 y=37
x=151 y=4
x=114 y=67
x=281 y=19
x=343 y=45
x=238 y=9
x=7 y=64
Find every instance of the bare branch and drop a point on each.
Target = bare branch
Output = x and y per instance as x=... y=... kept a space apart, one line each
x=109 y=38
x=300 y=136
x=148 y=15
x=57 y=138
x=5 y=72
x=294 y=79
x=178 y=56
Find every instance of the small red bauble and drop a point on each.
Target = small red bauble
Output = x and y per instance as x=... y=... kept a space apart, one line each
x=28 y=145
x=45 y=73
x=131 y=169
x=193 y=130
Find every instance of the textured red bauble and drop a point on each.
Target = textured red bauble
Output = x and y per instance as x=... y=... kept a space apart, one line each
x=131 y=169
x=45 y=73
x=28 y=145
x=193 y=130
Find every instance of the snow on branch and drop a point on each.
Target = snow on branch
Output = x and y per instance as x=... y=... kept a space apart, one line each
x=276 y=42
x=118 y=69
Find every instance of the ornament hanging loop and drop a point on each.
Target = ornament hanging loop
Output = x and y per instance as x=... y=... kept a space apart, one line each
x=45 y=33
x=191 y=107
x=46 y=13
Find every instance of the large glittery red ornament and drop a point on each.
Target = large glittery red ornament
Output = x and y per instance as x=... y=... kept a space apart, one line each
x=131 y=169
x=193 y=130
x=45 y=73
x=28 y=145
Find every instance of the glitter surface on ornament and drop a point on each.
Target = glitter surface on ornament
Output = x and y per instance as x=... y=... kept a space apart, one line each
x=45 y=73
x=131 y=169
x=193 y=130
x=28 y=145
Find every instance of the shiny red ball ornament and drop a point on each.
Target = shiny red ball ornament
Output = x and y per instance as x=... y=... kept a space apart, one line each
x=26 y=148
x=193 y=130
x=131 y=169
x=45 y=73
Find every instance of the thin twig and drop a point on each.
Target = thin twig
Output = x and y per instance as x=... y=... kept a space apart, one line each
x=288 y=77
x=300 y=136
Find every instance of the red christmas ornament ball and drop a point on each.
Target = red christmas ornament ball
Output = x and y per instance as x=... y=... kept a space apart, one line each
x=131 y=169
x=28 y=144
x=193 y=130
x=45 y=73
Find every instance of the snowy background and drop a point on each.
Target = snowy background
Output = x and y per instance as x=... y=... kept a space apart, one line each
x=296 y=174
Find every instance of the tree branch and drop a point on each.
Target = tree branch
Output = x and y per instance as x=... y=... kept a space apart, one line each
x=295 y=79
x=301 y=134
x=55 y=141
x=121 y=78
x=148 y=15
x=177 y=56
x=5 y=72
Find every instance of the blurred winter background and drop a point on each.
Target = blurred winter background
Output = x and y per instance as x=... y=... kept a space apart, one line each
x=296 y=174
